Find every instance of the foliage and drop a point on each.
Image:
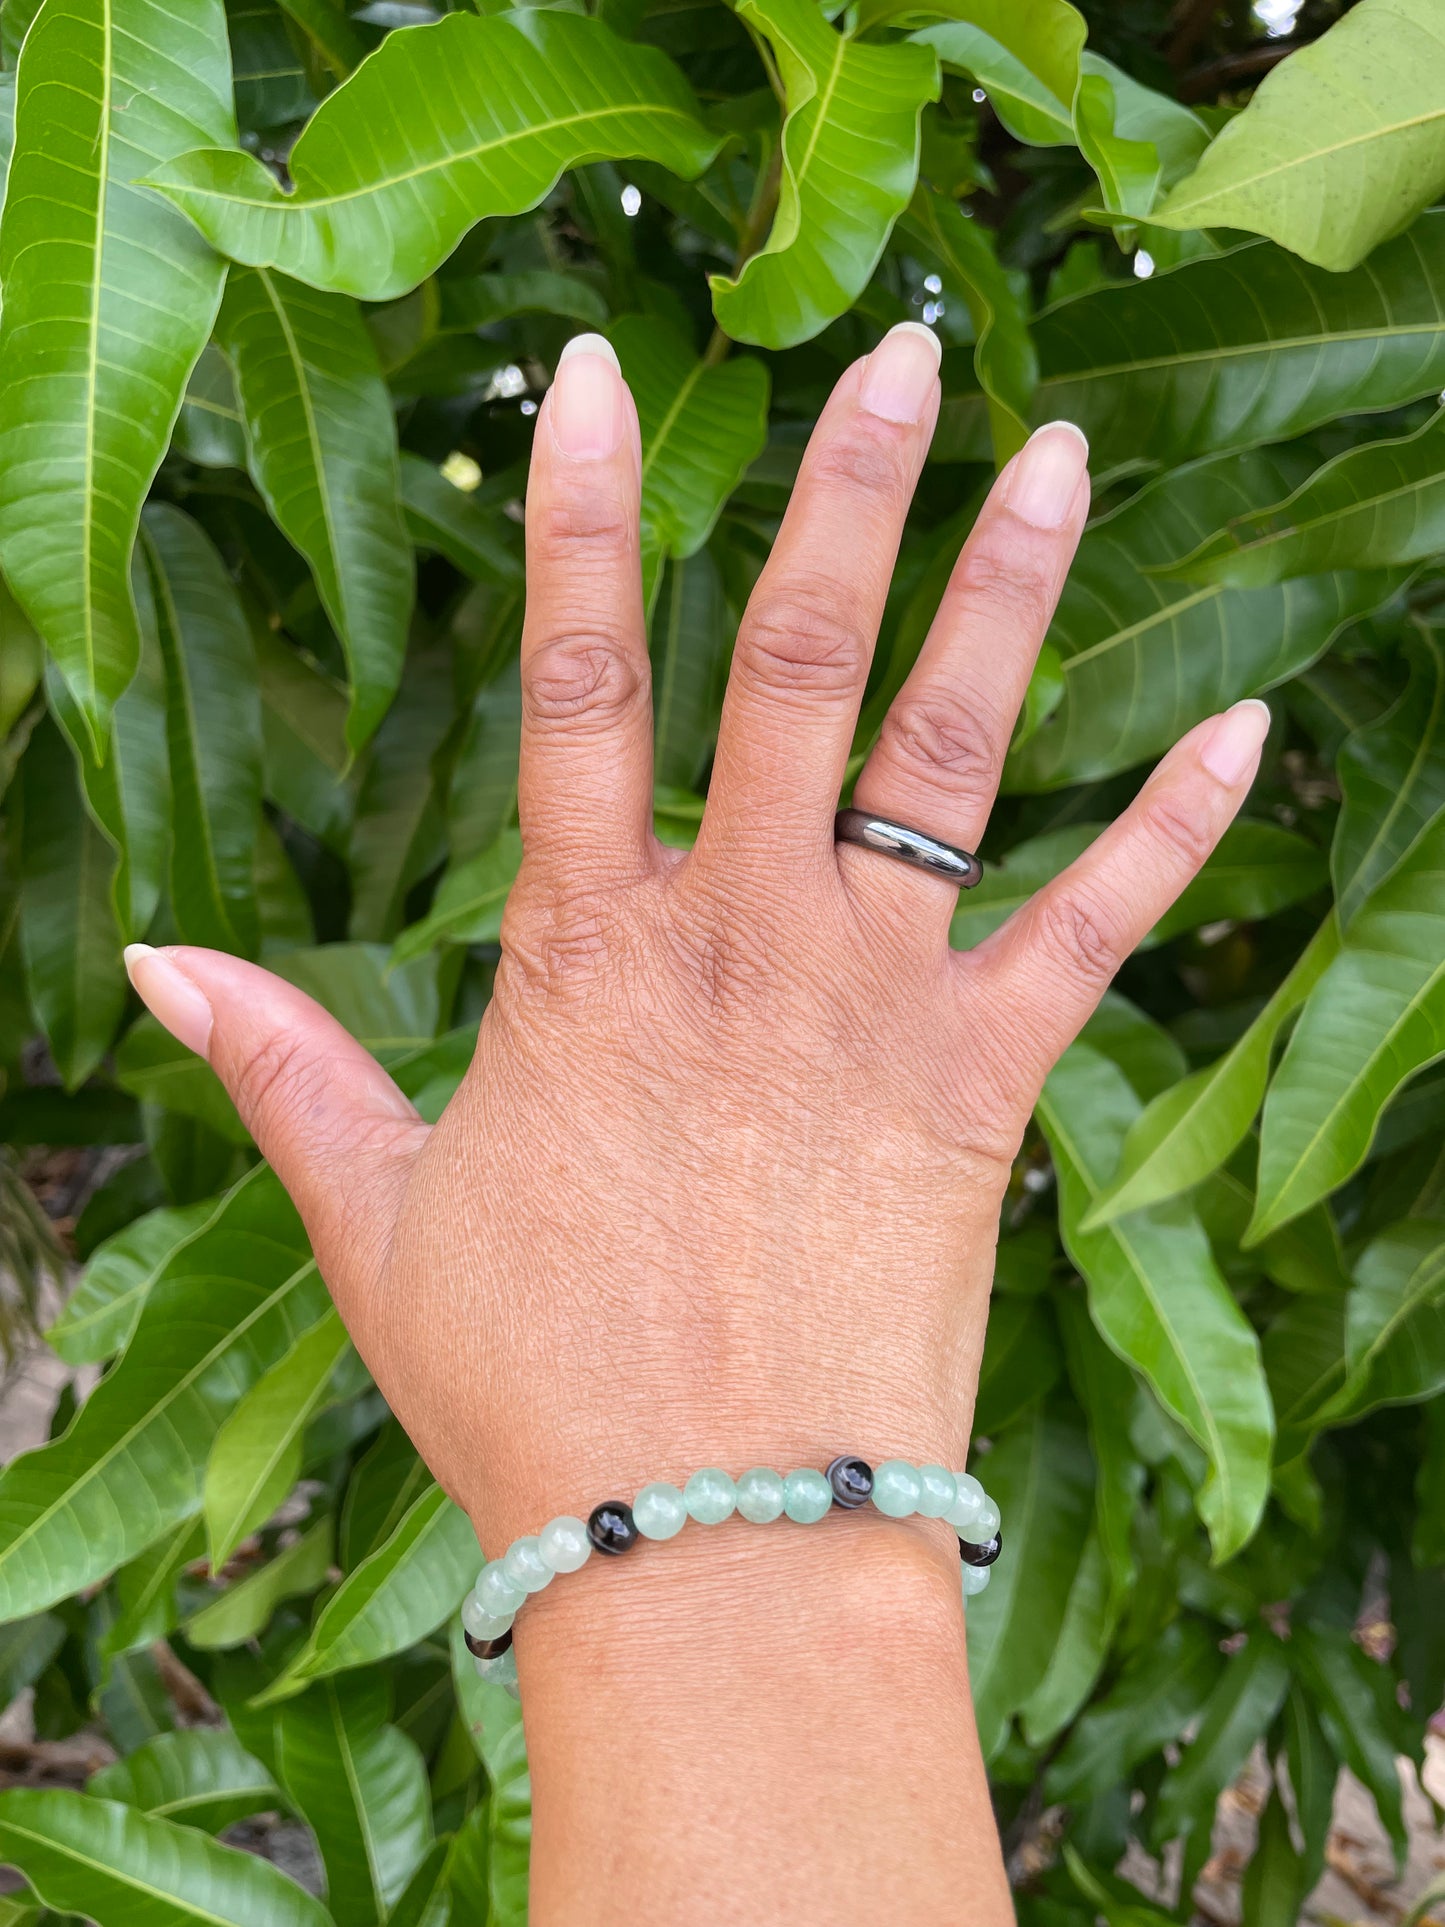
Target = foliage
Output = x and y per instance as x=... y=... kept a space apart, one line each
x=283 y=281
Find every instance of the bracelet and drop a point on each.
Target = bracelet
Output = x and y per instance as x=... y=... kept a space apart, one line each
x=896 y=1489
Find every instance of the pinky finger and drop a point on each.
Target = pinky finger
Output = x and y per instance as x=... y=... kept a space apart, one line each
x=1045 y=970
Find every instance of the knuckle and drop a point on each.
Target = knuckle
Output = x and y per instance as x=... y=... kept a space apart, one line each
x=1016 y=587
x=554 y=951
x=1185 y=837
x=800 y=641
x=1075 y=932
x=582 y=519
x=945 y=742
x=860 y=462
x=569 y=678
x=282 y=1079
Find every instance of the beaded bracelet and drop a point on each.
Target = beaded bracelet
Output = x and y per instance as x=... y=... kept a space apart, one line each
x=897 y=1489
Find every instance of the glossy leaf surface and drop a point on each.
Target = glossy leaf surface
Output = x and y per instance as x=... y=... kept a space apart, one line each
x=199 y=1776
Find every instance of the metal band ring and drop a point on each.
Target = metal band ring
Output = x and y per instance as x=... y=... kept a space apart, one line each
x=869 y=832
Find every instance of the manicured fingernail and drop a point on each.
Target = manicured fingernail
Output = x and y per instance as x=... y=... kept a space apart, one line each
x=1043 y=478
x=587 y=412
x=901 y=373
x=170 y=996
x=1231 y=749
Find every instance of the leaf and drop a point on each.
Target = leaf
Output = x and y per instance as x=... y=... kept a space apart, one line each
x=397 y=1595
x=68 y=936
x=209 y=429
x=1155 y=1698
x=1041 y=1476
x=1313 y=1771
x=441 y=518
x=1080 y=1651
x=227 y=1305
x=256 y=1458
x=213 y=727
x=244 y=1609
x=427 y=1899
x=1191 y=1129
x=1226 y=352
x=1007 y=885
x=1235 y=1716
x=1399 y=1277
x=1392 y=775
x=1004 y=361
x=109 y=299
x=485 y=116
x=1372 y=507
x=1145 y=659
x=689 y=643
x=1106 y=1388
x=270 y=81
x=1024 y=53
x=336 y=39
x=1021 y=1364
x=1274 y=1886
x=849 y=167
x=27 y=1647
x=469 y=902
x=380 y=1492
x=1157 y=1297
x=130 y=1869
x=494 y=1720
x=321 y=447
x=701 y=428
x=397 y=834
x=303 y=729
x=1354 y=1697
x=1339 y=147
x=200 y=1776
x=1374 y=1019
x=1256 y=869
x=482 y=300
x=146 y=1606
x=101 y=1311
x=361 y=1786
x=1116 y=133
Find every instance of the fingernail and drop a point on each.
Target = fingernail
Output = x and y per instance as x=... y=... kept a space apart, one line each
x=587 y=412
x=901 y=372
x=170 y=996
x=1231 y=749
x=1044 y=476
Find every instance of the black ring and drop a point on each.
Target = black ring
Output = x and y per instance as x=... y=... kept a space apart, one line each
x=914 y=847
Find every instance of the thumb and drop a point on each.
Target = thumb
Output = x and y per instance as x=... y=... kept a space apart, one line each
x=336 y=1130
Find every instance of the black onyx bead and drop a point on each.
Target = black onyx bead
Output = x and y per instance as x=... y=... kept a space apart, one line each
x=852 y=1482
x=973 y=1555
x=611 y=1528
x=488 y=1648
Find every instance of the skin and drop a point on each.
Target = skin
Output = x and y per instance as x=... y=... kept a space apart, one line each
x=723 y=1182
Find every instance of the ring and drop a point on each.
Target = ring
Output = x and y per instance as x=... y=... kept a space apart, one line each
x=871 y=832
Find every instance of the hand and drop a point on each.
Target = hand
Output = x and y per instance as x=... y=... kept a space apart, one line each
x=722 y=1184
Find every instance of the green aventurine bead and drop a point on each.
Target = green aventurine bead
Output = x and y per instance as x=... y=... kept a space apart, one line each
x=975 y=1579
x=897 y=1488
x=965 y=1508
x=807 y=1496
x=495 y=1592
x=710 y=1496
x=760 y=1495
x=524 y=1565
x=659 y=1511
x=982 y=1528
x=939 y=1490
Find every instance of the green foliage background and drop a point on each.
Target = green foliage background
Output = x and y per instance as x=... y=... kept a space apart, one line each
x=261 y=457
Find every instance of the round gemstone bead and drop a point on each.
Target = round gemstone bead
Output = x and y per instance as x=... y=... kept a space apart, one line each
x=983 y=1525
x=496 y=1593
x=480 y=1623
x=897 y=1488
x=563 y=1543
x=975 y=1579
x=489 y=1648
x=937 y=1491
x=852 y=1482
x=501 y=1671
x=524 y=1565
x=659 y=1511
x=807 y=1496
x=981 y=1555
x=966 y=1507
x=611 y=1527
x=710 y=1496
x=760 y=1495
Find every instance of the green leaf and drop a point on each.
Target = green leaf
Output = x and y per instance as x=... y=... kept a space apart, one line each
x=482 y=300
x=200 y=1776
x=213 y=727
x=494 y=1721
x=361 y=1786
x=1375 y=1018
x=1004 y=361
x=244 y=1609
x=397 y=1595
x=256 y=1458
x=1158 y=1694
x=209 y=429
x=27 y=1647
x=1354 y=1696
x=68 y=935
x=229 y=1302
x=1339 y=147
x=270 y=81
x=303 y=729
x=1136 y=140
x=1392 y=775
x=1022 y=1363
x=1274 y=1886
x=1023 y=53
x=1392 y=1341
x=701 y=428
x=1227 y=352
x=1157 y=1297
x=1255 y=870
x=397 y=834
x=1313 y=1771
x=1144 y=659
x=483 y=116
x=131 y=1869
x=689 y=640
x=336 y=39
x=109 y=299
x=321 y=446
x=849 y=168
x=1108 y=1392
x=1236 y=1715
x=440 y=517
x=1373 y=507
x=101 y=1312
x=1191 y=1129
x=469 y=902
x=1041 y=1476
x=1080 y=1651
x=146 y=1606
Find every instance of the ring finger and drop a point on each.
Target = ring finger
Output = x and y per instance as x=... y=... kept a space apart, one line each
x=938 y=757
